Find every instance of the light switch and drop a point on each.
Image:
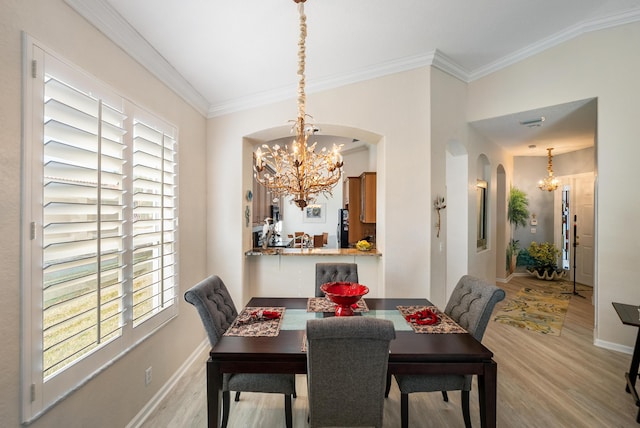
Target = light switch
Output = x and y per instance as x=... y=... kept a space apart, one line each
x=533 y=230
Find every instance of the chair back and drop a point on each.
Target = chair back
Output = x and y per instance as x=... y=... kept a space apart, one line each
x=347 y=370
x=332 y=272
x=471 y=304
x=215 y=307
x=298 y=239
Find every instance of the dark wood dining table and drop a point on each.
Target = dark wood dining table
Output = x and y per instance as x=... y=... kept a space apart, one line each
x=410 y=353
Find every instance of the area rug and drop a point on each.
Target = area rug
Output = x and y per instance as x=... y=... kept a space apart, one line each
x=534 y=310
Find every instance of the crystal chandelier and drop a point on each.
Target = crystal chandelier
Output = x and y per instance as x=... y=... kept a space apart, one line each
x=298 y=171
x=549 y=183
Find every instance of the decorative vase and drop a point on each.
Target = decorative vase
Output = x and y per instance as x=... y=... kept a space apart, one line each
x=549 y=275
x=513 y=262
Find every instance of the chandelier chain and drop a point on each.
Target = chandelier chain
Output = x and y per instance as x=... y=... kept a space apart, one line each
x=298 y=171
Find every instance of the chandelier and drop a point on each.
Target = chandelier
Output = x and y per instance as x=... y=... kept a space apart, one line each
x=298 y=171
x=549 y=183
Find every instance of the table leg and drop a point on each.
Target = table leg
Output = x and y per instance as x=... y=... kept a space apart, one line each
x=214 y=389
x=635 y=362
x=487 y=391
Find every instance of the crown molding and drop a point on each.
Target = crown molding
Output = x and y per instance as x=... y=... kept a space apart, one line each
x=614 y=20
x=322 y=84
x=107 y=20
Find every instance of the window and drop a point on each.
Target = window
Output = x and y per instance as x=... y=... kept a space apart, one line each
x=481 y=204
x=100 y=228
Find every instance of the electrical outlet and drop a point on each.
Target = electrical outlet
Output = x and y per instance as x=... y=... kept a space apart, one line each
x=147 y=376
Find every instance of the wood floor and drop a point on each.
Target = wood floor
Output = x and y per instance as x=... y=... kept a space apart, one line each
x=543 y=381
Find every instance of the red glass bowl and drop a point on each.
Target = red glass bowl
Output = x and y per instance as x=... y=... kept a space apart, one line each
x=344 y=295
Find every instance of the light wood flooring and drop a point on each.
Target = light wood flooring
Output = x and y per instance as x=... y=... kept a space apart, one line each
x=543 y=381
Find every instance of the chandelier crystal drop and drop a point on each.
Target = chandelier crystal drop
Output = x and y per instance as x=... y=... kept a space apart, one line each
x=297 y=170
x=549 y=183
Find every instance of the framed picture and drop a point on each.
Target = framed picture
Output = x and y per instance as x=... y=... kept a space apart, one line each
x=316 y=213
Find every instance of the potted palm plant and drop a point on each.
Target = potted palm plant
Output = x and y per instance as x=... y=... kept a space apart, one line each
x=517 y=214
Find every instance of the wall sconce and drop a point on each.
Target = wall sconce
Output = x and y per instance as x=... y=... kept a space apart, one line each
x=439 y=204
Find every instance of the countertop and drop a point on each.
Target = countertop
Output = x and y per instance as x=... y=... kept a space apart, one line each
x=312 y=252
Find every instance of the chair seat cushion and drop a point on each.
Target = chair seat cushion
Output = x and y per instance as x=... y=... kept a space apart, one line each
x=259 y=382
x=428 y=383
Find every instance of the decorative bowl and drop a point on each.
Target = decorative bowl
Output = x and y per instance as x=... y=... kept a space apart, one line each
x=364 y=245
x=344 y=295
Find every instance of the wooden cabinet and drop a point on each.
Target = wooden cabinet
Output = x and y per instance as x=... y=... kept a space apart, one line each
x=368 y=197
x=262 y=202
x=351 y=201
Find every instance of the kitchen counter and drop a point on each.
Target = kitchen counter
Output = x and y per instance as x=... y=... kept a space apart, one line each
x=312 y=252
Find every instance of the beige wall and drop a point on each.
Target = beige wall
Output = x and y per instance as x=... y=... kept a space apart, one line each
x=115 y=396
x=394 y=111
x=603 y=64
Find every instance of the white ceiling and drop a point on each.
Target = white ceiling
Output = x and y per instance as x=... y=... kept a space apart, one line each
x=228 y=55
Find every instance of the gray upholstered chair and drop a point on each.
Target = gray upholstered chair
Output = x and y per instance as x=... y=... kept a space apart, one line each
x=470 y=305
x=217 y=311
x=347 y=361
x=332 y=272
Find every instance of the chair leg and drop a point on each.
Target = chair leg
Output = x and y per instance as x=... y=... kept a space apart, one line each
x=404 y=410
x=445 y=396
x=225 y=408
x=287 y=411
x=465 y=408
x=388 y=387
x=237 y=396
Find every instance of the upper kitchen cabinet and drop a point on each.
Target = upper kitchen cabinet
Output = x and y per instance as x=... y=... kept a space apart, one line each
x=368 y=197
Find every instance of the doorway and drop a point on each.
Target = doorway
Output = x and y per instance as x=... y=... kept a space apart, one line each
x=574 y=226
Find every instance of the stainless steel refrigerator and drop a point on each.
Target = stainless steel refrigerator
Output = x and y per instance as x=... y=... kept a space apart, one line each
x=343 y=228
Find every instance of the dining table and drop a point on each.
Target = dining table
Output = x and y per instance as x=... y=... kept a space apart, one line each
x=411 y=352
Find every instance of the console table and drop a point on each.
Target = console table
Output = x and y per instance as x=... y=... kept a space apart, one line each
x=630 y=315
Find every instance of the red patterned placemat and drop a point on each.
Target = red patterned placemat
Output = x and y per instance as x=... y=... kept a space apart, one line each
x=247 y=325
x=322 y=304
x=444 y=325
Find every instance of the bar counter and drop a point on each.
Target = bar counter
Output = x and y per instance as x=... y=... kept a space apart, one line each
x=312 y=252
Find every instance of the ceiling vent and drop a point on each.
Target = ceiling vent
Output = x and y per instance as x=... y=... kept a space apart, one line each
x=533 y=123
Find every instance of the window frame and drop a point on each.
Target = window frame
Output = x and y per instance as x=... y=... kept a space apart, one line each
x=39 y=394
x=482 y=199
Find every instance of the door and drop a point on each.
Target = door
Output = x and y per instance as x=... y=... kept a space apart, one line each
x=580 y=225
x=585 y=225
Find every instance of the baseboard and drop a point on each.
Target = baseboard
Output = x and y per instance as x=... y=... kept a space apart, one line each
x=155 y=401
x=613 y=346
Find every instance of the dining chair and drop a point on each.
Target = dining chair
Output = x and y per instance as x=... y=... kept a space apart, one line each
x=317 y=241
x=217 y=312
x=470 y=305
x=347 y=360
x=325 y=238
x=298 y=239
x=333 y=272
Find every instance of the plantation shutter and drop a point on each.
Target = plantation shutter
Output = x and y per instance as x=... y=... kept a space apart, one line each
x=83 y=218
x=99 y=237
x=154 y=221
